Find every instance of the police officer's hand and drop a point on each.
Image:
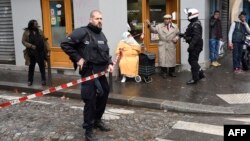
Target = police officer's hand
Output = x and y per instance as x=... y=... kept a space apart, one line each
x=189 y=49
x=110 y=68
x=80 y=63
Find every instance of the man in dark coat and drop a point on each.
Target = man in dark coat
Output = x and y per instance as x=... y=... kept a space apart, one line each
x=87 y=47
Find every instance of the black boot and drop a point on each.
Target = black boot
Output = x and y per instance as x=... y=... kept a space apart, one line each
x=201 y=74
x=89 y=135
x=101 y=125
x=172 y=72
x=164 y=72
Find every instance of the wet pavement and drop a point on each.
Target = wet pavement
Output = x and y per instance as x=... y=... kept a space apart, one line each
x=219 y=80
x=54 y=119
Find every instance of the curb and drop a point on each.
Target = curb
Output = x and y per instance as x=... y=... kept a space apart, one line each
x=118 y=99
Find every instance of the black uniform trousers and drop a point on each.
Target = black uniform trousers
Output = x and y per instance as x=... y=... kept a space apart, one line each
x=193 y=59
x=33 y=60
x=95 y=104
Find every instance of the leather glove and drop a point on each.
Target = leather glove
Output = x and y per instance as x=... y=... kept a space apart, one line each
x=189 y=49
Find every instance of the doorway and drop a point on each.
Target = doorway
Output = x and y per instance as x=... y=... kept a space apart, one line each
x=57 y=18
x=141 y=10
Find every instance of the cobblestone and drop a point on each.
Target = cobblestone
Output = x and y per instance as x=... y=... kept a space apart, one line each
x=58 y=121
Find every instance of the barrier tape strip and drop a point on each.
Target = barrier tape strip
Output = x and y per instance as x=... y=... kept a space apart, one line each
x=57 y=88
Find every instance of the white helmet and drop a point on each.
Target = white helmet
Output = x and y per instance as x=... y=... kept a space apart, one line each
x=191 y=13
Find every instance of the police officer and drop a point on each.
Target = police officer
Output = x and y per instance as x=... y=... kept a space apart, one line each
x=193 y=37
x=87 y=48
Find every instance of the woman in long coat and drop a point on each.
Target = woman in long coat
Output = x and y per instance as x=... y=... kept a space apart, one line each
x=129 y=50
x=36 y=50
x=168 y=38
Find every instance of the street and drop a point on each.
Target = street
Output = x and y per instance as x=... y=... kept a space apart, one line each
x=54 y=118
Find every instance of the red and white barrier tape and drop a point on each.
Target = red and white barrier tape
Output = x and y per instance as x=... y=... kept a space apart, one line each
x=57 y=88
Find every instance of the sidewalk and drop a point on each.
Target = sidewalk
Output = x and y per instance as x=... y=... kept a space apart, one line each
x=168 y=94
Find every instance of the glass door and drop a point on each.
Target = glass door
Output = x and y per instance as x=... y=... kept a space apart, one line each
x=154 y=10
x=57 y=17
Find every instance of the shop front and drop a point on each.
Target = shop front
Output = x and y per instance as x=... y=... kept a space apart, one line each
x=138 y=11
x=58 y=22
x=59 y=17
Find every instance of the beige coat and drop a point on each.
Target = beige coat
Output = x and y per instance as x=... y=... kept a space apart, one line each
x=25 y=41
x=167 y=48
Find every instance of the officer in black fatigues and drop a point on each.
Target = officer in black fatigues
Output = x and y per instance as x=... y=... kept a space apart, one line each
x=193 y=37
x=87 y=48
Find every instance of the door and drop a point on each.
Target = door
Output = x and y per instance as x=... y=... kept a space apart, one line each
x=57 y=17
x=154 y=10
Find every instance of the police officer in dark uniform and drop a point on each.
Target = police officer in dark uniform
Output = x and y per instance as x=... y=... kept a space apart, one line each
x=193 y=37
x=87 y=47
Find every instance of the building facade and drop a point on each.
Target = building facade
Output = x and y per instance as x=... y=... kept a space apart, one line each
x=58 y=18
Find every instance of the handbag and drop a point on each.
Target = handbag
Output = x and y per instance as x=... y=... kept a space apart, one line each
x=26 y=56
x=221 y=48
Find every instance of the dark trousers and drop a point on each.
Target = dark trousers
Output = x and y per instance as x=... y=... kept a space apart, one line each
x=193 y=59
x=237 y=54
x=169 y=70
x=243 y=60
x=33 y=61
x=94 y=103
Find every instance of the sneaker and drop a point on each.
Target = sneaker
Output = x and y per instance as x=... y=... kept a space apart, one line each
x=101 y=125
x=217 y=63
x=123 y=79
x=214 y=64
x=238 y=70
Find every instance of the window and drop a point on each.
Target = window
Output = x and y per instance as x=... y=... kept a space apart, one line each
x=135 y=18
x=157 y=9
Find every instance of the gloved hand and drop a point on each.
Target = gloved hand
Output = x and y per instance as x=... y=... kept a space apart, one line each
x=99 y=89
x=189 y=49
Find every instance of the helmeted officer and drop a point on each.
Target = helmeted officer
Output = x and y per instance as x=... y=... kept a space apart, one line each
x=87 y=47
x=193 y=37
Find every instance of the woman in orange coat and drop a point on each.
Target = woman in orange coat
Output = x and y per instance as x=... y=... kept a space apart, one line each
x=129 y=50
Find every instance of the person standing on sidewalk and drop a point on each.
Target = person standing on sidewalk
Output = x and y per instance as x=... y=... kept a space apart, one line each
x=236 y=37
x=193 y=37
x=37 y=49
x=215 y=35
x=167 y=45
x=87 y=47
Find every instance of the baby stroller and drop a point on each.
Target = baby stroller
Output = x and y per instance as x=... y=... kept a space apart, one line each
x=146 y=66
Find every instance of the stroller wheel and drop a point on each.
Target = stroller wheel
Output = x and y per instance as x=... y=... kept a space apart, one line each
x=148 y=79
x=138 y=78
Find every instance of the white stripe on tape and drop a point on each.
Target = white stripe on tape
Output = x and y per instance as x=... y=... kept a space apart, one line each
x=69 y=84
x=96 y=75
x=88 y=78
x=46 y=92
x=79 y=81
x=31 y=96
x=58 y=88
